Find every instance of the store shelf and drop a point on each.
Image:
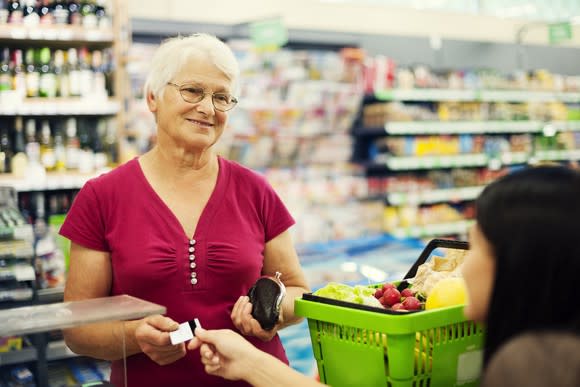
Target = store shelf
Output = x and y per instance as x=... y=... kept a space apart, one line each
x=402 y=163
x=520 y=96
x=407 y=163
x=566 y=126
x=434 y=196
x=17 y=249
x=558 y=155
x=15 y=357
x=53 y=181
x=438 y=127
x=475 y=95
x=425 y=95
x=50 y=295
x=57 y=350
x=63 y=33
x=465 y=127
x=458 y=227
x=16 y=295
x=19 y=272
x=11 y=106
x=23 y=232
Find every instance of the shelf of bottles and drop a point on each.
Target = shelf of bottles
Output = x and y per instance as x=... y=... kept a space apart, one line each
x=57 y=103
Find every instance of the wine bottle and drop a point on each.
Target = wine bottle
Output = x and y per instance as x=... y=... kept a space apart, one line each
x=47 y=82
x=32 y=74
x=15 y=11
x=4 y=12
x=45 y=12
x=74 y=73
x=47 y=154
x=72 y=144
x=5 y=149
x=30 y=16
x=59 y=148
x=18 y=74
x=86 y=73
x=5 y=73
x=74 y=14
x=61 y=75
x=60 y=12
x=19 y=160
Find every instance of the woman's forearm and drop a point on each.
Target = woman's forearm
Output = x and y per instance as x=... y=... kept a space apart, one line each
x=288 y=316
x=107 y=341
x=269 y=371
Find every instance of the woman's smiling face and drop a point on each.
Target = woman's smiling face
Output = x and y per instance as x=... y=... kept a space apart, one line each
x=192 y=126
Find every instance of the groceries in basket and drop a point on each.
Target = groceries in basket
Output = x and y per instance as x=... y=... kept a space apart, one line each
x=361 y=345
x=434 y=282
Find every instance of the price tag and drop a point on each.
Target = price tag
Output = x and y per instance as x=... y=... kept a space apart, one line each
x=94 y=35
x=35 y=34
x=64 y=34
x=50 y=34
x=18 y=33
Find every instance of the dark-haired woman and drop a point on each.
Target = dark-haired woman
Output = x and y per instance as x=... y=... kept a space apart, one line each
x=522 y=277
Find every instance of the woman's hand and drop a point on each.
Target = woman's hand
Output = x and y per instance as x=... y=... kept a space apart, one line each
x=246 y=324
x=224 y=353
x=152 y=335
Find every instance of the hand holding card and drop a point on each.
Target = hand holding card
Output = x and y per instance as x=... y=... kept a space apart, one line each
x=185 y=332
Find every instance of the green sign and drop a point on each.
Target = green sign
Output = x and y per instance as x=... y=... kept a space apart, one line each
x=559 y=32
x=269 y=33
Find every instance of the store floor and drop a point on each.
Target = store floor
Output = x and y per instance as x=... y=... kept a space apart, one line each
x=362 y=261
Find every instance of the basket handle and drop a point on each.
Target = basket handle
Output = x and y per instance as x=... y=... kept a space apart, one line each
x=432 y=245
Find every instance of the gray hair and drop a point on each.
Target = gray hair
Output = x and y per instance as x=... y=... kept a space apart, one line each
x=174 y=52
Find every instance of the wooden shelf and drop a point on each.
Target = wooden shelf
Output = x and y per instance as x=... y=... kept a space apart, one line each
x=55 y=34
x=58 y=106
x=53 y=181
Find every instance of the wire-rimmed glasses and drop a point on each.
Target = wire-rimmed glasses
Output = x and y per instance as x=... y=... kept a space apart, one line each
x=193 y=94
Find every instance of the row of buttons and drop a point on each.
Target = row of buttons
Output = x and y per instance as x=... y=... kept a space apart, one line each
x=192 y=263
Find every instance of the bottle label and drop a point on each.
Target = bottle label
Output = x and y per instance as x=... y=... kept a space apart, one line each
x=48 y=85
x=32 y=84
x=74 y=83
x=86 y=83
x=48 y=159
x=5 y=82
x=72 y=158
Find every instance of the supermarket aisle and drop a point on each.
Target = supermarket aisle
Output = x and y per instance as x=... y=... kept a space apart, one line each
x=361 y=261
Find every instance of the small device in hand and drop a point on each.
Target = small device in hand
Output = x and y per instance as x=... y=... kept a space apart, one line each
x=266 y=297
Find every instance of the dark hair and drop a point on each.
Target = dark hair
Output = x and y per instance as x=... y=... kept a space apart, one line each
x=532 y=220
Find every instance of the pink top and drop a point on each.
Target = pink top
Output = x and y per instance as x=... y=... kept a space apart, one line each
x=193 y=276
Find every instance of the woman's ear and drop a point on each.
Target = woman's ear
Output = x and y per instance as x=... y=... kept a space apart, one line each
x=151 y=102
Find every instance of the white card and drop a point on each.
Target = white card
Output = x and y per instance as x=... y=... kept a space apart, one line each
x=181 y=335
x=185 y=332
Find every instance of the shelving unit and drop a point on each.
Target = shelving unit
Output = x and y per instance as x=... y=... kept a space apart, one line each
x=393 y=159
x=116 y=38
x=105 y=103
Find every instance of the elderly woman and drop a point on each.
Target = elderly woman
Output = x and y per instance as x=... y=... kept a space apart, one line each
x=180 y=226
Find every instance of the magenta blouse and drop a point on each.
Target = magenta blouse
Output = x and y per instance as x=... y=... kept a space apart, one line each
x=200 y=275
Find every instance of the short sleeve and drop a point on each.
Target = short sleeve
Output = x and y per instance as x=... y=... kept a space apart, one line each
x=535 y=360
x=84 y=222
x=277 y=218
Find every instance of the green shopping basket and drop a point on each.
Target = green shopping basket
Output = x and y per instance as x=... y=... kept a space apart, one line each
x=358 y=345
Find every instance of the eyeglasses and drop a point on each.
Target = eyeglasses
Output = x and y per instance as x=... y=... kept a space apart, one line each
x=194 y=94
